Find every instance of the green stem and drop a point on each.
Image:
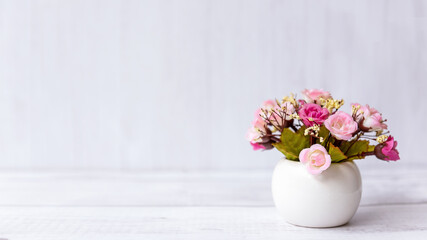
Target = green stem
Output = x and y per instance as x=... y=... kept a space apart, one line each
x=327 y=141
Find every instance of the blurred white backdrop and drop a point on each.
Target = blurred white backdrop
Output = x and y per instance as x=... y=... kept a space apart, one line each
x=174 y=84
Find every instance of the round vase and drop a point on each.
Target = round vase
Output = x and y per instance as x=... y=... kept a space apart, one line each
x=329 y=199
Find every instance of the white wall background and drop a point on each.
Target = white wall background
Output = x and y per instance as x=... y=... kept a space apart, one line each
x=173 y=84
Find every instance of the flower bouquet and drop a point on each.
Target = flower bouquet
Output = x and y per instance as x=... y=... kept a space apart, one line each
x=313 y=134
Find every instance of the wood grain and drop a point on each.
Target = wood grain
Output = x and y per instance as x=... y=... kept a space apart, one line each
x=373 y=222
x=170 y=188
x=193 y=205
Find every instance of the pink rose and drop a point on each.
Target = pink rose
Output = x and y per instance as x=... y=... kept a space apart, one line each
x=260 y=135
x=369 y=118
x=387 y=150
x=341 y=125
x=312 y=114
x=315 y=158
x=255 y=133
x=286 y=107
x=267 y=105
x=313 y=95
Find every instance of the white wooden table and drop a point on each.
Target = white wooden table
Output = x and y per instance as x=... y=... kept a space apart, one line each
x=194 y=205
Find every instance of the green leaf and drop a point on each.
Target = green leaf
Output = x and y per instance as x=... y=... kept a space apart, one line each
x=324 y=133
x=292 y=143
x=354 y=150
x=371 y=148
x=285 y=150
x=336 y=154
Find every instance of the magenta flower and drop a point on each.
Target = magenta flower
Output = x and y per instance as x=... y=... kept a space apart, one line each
x=387 y=150
x=312 y=114
x=341 y=125
x=301 y=102
x=315 y=158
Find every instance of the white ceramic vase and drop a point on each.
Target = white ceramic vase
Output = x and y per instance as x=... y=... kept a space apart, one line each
x=329 y=199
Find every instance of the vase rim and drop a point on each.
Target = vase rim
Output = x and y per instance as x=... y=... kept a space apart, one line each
x=297 y=161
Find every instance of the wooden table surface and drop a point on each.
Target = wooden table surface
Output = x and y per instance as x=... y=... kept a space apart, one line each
x=194 y=205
